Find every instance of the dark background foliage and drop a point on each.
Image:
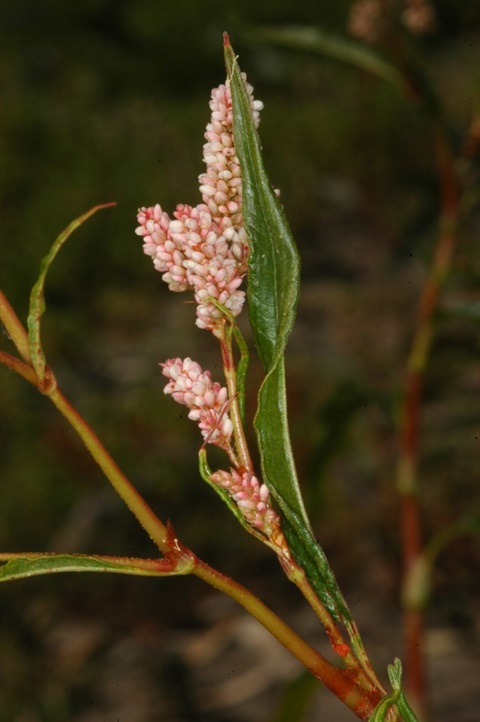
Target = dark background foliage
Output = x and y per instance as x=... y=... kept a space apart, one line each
x=107 y=100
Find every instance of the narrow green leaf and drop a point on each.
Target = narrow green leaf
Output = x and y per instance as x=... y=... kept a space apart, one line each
x=397 y=698
x=395 y=672
x=205 y=473
x=380 y=712
x=37 y=299
x=348 y=51
x=22 y=566
x=406 y=712
x=273 y=284
x=274 y=264
x=395 y=676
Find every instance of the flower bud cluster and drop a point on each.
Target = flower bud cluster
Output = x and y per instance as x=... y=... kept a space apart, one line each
x=221 y=185
x=252 y=498
x=204 y=248
x=206 y=400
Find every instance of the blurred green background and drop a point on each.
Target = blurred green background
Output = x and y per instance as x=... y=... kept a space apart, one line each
x=107 y=100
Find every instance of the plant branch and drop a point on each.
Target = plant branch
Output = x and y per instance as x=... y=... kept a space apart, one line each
x=230 y=372
x=124 y=488
x=18 y=367
x=407 y=481
x=15 y=329
x=339 y=681
x=357 y=661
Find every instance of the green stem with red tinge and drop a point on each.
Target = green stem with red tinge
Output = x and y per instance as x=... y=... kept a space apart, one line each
x=230 y=372
x=360 y=701
x=339 y=681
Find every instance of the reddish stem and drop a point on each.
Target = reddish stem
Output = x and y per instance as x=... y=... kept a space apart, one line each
x=339 y=681
x=14 y=328
x=409 y=431
x=122 y=485
x=229 y=369
x=417 y=92
x=20 y=368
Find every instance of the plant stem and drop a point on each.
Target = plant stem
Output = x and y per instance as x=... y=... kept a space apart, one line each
x=48 y=386
x=14 y=328
x=14 y=364
x=230 y=372
x=419 y=92
x=339 y=681
x=357 y=660
x=407 y=483
x=124 y=488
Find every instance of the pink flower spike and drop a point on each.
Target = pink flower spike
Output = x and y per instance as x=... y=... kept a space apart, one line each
x=204 y=248
x=251 y=497
x=206 y=400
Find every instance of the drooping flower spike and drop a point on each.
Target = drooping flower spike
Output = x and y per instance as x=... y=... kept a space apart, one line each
x=204 y=248
x=252 y=499
x=206 y=400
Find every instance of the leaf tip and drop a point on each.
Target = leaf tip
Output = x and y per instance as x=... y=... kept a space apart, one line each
x=228 y=54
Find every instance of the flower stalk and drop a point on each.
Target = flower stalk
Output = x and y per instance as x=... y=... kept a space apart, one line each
x=230 y=372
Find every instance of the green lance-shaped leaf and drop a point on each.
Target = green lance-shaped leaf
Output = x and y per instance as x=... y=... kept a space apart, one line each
x=381 y=710
x=273 y=285
x=396 y=698
x=206 y=473
x=411 y=77
x=23 y=565
x=37 y=300
x=314 y=40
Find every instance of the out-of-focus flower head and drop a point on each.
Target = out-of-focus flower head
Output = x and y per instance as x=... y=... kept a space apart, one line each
x=369 y=18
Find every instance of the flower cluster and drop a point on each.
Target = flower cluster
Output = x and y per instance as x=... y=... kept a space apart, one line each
x=206 y=399
x=207 y=402
x=367 y=18
x=252 y=498
x=204 y=248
